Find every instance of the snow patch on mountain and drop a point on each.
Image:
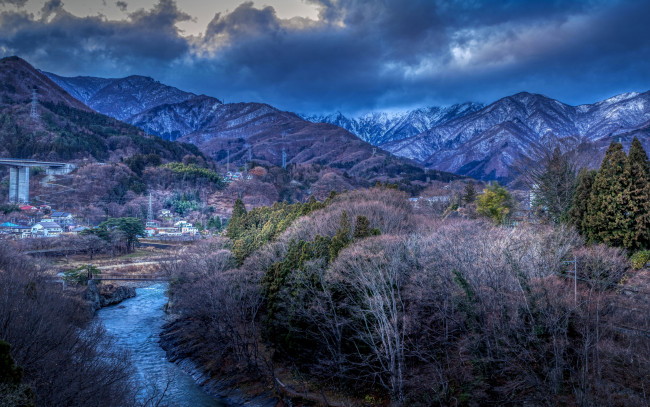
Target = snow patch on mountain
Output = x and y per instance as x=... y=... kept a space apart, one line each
x=381 y=127
x=487 y=143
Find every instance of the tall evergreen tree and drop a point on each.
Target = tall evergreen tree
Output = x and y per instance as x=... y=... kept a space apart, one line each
x=361 y=227
x=236 y=220
x=342 y=237
x=578 y=211
x=606 y=220
x=554 y=184
x=636 y=180
x=470 y=192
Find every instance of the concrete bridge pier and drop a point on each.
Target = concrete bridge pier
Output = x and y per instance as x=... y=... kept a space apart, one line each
x=19 y=175
x=19 y=184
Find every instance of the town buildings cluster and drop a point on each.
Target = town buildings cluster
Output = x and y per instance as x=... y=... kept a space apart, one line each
x=43 y=222
x=167 y=228
x=39 y=221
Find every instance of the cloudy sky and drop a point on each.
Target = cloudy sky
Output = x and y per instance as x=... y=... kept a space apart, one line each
x=349 y=55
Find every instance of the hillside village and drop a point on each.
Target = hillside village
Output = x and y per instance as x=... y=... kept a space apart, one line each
x=26 y=221
x=43 y=222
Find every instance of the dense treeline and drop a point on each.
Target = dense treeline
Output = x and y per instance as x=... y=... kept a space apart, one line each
x=69 y=133
x=65 y=358
x=250 y=230
x=427 y=312
x=192 y=172
x=610 y=205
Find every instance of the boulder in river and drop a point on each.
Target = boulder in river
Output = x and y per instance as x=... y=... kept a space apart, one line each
x=103 y=295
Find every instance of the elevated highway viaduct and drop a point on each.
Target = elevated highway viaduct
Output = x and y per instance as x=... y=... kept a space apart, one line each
x=19 y=175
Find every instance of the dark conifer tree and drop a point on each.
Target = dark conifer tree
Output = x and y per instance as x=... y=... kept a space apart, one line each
x=637 y=196
x=238 y=214
x=342 y=236
x=361 y=227
x=470 y=192
x=606 y=220
x=554 y=185
x=578 y=211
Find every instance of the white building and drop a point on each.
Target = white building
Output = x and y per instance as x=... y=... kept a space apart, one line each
x=186 y=228
x=46 y=229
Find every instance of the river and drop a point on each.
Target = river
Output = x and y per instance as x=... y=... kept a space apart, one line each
x=136 y=323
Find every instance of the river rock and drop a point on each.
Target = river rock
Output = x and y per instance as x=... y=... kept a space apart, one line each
x=103 y=295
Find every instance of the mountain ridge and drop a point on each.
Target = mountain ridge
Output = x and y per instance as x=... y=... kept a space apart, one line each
x=64 y=128
x=482 y=141
x=481 y=145
x=236 y=133
x=380 y=127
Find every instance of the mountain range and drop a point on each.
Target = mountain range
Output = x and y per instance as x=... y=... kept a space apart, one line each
x=64 y=128
x=489 y=143
x=120 y=98
x=485 y=142
x=381 y=127
x=236 y=132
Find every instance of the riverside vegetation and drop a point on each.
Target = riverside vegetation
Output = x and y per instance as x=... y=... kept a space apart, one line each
x=364 y=298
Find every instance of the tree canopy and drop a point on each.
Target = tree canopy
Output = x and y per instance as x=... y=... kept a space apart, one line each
x=495 y=202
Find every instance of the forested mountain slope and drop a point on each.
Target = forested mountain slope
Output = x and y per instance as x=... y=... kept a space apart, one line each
x=64 y=128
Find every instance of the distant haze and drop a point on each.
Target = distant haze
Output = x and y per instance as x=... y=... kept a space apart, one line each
x=320 y=56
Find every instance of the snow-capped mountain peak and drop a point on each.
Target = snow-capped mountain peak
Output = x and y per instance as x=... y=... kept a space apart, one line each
x=379 y=127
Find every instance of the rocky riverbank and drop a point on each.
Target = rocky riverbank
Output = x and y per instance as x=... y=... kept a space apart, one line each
x=103 y=295
x=180 y=351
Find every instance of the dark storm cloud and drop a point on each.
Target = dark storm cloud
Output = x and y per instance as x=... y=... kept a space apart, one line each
x=62 y=42
x=17 y=3
x=359 y=54
x=122 y=5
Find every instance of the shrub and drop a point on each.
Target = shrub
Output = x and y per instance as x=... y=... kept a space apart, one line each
x=639 y=259
x=80 y=274
x=601 y=264
x=495 y=203
x=193 y=172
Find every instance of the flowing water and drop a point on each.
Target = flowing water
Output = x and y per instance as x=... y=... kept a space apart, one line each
x=136 y=323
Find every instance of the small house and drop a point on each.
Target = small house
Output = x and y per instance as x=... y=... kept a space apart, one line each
x=164 y=213
x=189 y=229
x=28 y=208
x=153 y=223
x=46 y=229
x=77 y=229
x=62 y=218
x=21 y=232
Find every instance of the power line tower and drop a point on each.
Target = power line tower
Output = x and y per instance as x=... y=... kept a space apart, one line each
x=33 y=112
x=150 y=212
x=284 y=159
